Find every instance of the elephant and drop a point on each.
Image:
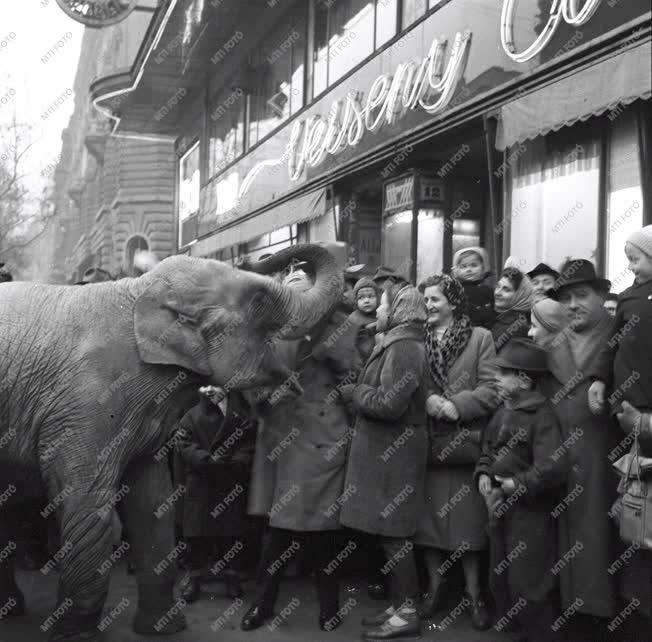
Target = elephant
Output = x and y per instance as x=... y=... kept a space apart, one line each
x=89 y=380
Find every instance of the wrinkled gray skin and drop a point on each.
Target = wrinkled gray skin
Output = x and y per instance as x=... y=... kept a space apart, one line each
x=90 y=380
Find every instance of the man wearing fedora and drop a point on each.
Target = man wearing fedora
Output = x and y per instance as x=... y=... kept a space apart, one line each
x=587 y=537
x=521 y=478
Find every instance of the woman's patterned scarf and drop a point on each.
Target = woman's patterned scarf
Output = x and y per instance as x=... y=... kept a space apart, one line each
x=443 y=353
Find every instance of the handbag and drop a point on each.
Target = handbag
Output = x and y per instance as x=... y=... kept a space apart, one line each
x=633 y=508
x=454 y=443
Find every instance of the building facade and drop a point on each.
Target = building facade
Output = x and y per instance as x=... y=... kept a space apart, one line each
x=115 y=195
x=407 y=128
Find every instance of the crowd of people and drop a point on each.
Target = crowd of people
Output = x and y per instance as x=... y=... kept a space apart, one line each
x=473 y=423
x=464 y=420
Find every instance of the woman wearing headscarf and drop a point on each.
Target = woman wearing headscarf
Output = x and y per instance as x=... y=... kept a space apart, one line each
x=461 y=389
x=387 y=458
x=547 y=321
x=513 y=299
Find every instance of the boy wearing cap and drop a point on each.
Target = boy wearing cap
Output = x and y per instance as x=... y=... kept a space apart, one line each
x=543 y=278
x=520 y=473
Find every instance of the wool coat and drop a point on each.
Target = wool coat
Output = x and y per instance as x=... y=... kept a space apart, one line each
x=480 y=297
x=298 y=473
x=587 y=441
x=508 y=325
x=387 y=458
x=216 y=453
x=629 y=351
x=523 y=442
x=455 y=511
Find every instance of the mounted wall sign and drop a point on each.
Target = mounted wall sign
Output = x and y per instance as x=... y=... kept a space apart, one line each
x=566 y=9
x=98 y=13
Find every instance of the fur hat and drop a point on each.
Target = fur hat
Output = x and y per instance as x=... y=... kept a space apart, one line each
x=475 y=249
x=642 y=239
x=365 y=282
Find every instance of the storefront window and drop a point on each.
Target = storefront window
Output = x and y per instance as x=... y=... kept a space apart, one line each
x=553 y=191
x=225 y=129
x=188 y=192
x=412 y=10
x=624 y=201
x=430 y=238
x=277 y=72
x=344 y=36
x=386 y=15
x=396 y=241
x=272 y=242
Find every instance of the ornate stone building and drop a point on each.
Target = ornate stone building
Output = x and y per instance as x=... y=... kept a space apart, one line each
x=114 y=194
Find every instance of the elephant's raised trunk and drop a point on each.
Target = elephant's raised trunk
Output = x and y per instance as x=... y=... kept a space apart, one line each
x=299 y=312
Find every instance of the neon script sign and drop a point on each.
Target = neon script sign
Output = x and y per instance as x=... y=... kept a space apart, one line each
x=428 y=85
x=566 y=9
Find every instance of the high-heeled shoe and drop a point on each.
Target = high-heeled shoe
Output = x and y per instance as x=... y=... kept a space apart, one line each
x=480 y=616
x=255 y=617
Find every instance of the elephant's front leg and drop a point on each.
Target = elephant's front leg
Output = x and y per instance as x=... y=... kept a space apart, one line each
x=148 y=513
x=85 y=546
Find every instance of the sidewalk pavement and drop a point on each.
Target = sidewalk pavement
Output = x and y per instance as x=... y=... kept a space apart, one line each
x=216 y=618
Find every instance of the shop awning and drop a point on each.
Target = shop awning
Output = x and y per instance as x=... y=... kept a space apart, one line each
x=297 y=210
x=616 y=81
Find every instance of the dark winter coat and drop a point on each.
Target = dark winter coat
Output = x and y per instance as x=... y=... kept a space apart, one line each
x=387 y=458
x=216 y=452
x=508 y=325
x=298 y=473
x=629 y=350
x=523 y=442
x=480 y=308
x=587 y=441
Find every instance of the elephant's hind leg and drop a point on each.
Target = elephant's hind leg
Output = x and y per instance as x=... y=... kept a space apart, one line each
x=148 y=512
x=12 y=602
x=85 y=547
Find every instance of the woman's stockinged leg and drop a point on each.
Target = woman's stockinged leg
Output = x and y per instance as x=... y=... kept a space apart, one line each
x=471 y=567
x=403 y=572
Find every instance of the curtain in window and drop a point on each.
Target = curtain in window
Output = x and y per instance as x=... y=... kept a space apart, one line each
x=552 y=189
x=625 y=200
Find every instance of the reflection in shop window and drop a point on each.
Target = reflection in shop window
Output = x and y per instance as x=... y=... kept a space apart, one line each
x=277 y=70
x=430 y=242
x=225 y=128
x=396 y=241
x=344 y=36
x=466 y=233
x=625 y=200
x=188 y=191
x=553 y=188
x=412 y=10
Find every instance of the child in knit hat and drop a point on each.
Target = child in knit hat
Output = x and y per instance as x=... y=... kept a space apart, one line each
x=367 y=298
x=471 y=269
x=624 y=369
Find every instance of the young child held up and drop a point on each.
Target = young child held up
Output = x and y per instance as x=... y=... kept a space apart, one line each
x=623 y=371
x=471 y=268
x=521 y=473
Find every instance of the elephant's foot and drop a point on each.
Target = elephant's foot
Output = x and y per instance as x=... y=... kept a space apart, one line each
x=77 y=627
x=159 y=623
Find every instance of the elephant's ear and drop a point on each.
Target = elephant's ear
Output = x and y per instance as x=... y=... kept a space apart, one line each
x=167 y=332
